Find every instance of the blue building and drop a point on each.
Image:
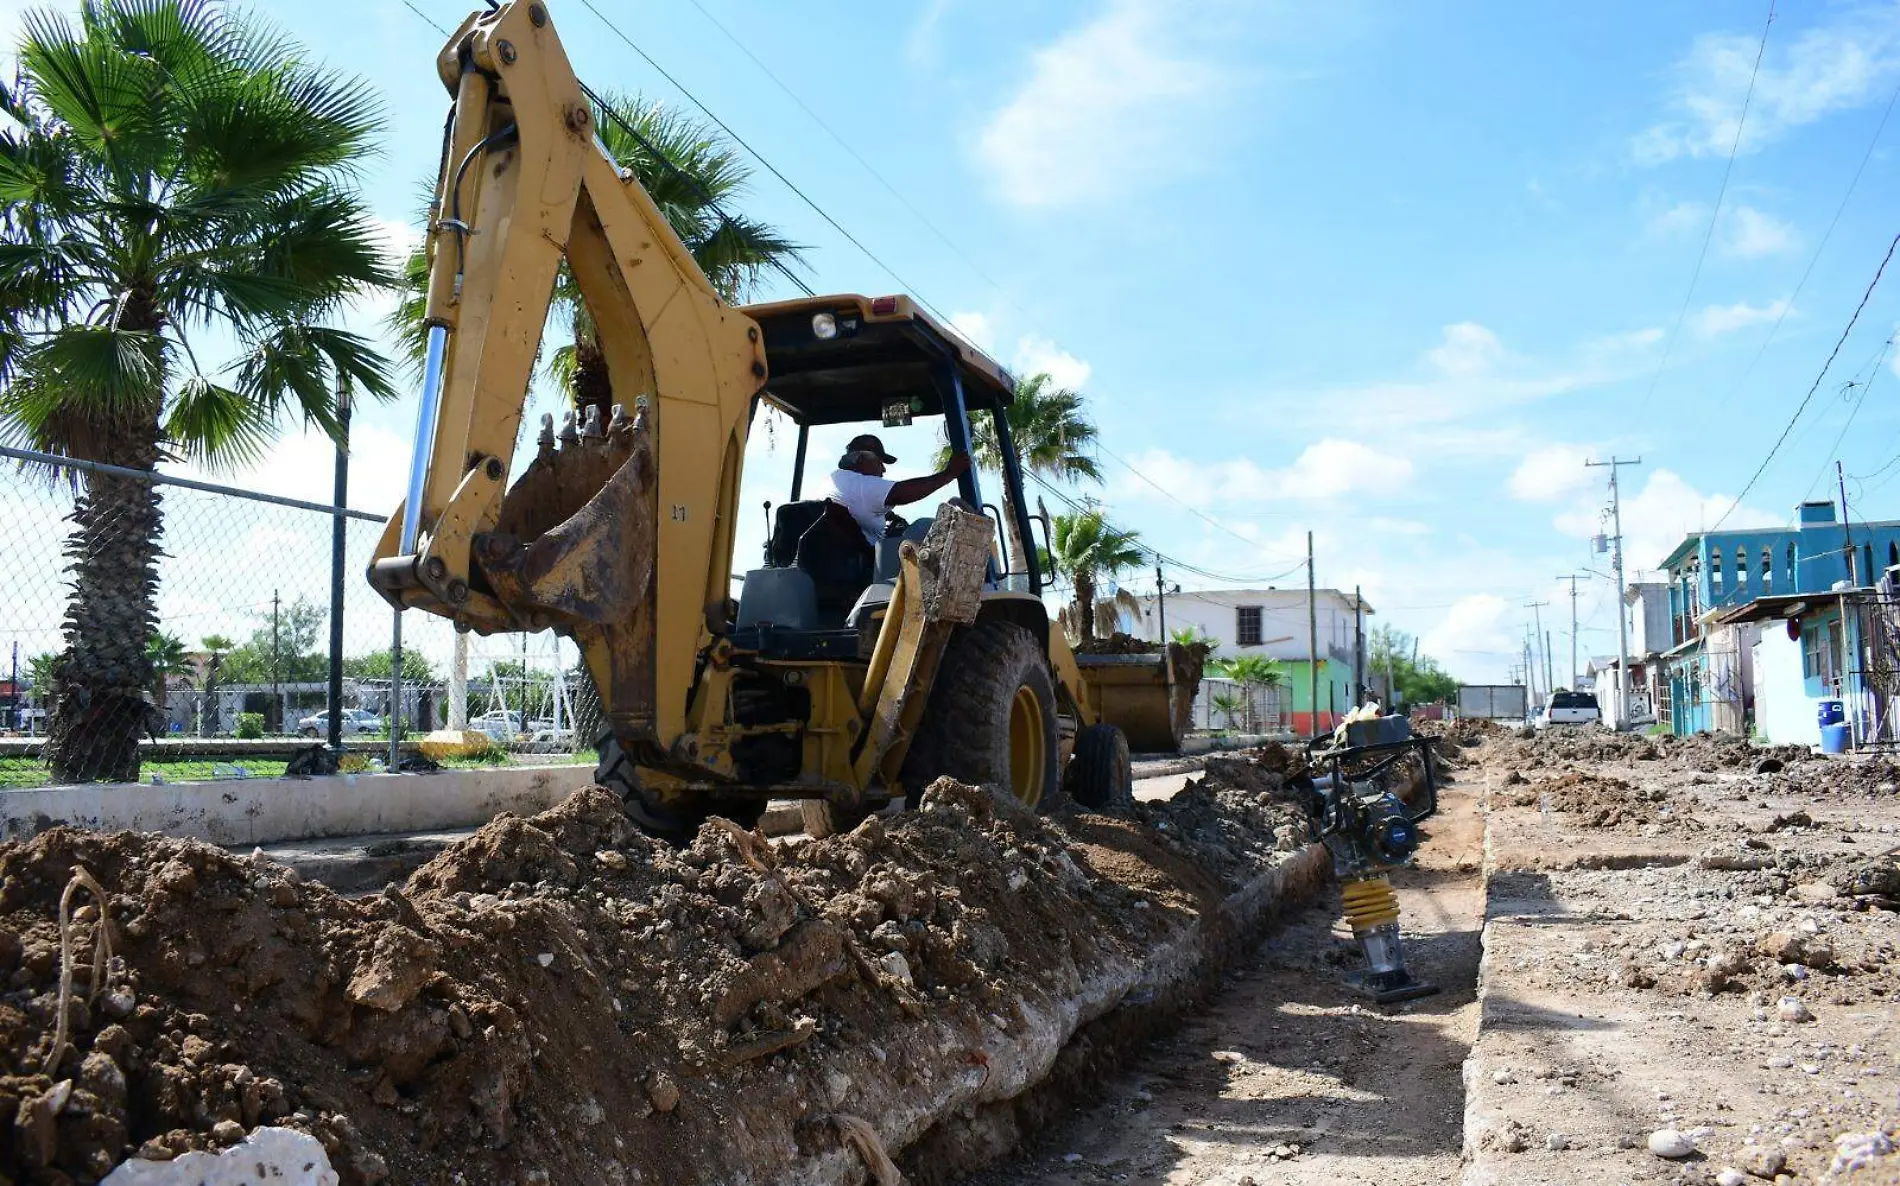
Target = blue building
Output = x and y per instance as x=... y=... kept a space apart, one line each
x=1725 y=586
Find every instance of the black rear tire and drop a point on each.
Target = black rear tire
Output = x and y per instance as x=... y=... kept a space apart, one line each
x=1099 y=776
x=994 y=681
x=676 y=824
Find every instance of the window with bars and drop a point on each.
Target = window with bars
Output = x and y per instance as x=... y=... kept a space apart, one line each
x=1247 y=626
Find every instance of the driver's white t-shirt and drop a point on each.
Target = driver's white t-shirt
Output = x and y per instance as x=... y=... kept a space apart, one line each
x=864 y=496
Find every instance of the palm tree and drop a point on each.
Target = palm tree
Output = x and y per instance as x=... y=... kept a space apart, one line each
x=216 y=647
x=1250 y=672
x=168 y=173
x=1228 y=705
x=1052 y=434
x=166 y=654
x=1086 y=549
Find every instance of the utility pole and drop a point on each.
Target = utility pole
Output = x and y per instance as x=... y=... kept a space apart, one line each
x=276 y=688
x=1358 y=645
x=1161 y=601
x=1575 y=671
x=1541 y=642
x=1853 y=578
x=339 y=530
x=1622 y=619
x=1312 y=640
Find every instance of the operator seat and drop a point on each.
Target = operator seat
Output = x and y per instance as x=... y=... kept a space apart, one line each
x=839 y=559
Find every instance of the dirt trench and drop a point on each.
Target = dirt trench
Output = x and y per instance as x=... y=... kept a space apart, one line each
x=1289 y=1076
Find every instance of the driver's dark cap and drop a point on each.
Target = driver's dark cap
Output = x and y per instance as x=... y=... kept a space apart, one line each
x=866 y=443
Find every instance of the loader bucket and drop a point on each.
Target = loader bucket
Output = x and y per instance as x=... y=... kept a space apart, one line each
x=1148 y=697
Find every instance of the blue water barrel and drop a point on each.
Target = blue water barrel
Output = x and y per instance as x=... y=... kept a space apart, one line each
x=1832 y=713
x=1833 y=739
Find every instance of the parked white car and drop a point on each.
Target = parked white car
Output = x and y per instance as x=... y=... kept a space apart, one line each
x=1569 y=708
x=355 y=721
x=500 y=725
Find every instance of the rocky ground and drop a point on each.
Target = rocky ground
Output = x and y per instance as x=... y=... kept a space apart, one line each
x=1690 y=950
x=1688 y=975
x=1661 y=962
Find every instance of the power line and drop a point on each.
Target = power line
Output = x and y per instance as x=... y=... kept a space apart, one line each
x=1814 y=259
x=1861 y=388
x=868 y=253
x=659 y=158
x=856 y=156
x=1715 y=214
x=1815 y=386
x=1175 y=562
x=768 y=165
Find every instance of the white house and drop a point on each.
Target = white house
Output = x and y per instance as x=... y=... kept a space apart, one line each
x=1273 y=623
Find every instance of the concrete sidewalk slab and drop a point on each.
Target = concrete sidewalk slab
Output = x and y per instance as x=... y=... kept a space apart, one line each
x=236 y=812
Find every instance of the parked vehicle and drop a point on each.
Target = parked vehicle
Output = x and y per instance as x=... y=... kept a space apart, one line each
x=355 y=720
x=1569 y=708
x=500 y=725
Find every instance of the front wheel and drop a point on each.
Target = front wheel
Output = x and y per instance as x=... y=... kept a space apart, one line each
x=1100 y=776
x=991 y=718
x=676 y=823
x=309 y=732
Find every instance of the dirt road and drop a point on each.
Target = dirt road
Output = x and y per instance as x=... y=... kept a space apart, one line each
x=1294 y=1078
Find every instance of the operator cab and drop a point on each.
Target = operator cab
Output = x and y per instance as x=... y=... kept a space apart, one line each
x=840 y=365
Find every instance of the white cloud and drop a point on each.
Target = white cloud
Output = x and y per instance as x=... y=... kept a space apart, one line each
x=922 y=44
x=1837 y=66
x=1470 y=373
x=1551 y=473
x=976 y=328
x=1326 y=469
x=1468 y=349
x=1750 y=234
x=1038 y=355
x=1716 y=320
x=1681 y=219
x=1033 y=355
x=1476 y=632
x=1106 y=105
x=1744 y=232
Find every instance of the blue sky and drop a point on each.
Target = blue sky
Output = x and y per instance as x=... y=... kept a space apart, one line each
x=1388 y=272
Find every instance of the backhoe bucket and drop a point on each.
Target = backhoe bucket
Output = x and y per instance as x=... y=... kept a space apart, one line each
x=573 y=549
x=1149 y=697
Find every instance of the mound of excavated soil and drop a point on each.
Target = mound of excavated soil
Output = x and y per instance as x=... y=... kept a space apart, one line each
x=560 y=1000
x=1597 y=801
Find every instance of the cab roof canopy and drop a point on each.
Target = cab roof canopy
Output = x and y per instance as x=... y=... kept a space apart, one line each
x=882 y=349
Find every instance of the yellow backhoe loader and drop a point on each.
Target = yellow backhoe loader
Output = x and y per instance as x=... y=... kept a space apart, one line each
x=844 y=673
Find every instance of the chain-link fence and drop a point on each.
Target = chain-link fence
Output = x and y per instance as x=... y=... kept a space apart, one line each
x=161 y=629
x=1225 y=704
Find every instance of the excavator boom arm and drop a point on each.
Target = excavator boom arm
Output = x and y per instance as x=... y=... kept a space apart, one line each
x=527 y=194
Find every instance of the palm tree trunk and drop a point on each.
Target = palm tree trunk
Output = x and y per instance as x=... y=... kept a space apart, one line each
x=208 y=719
x=100 y=709
x=1018 y=553
x=593 y=386
x=1085 y=605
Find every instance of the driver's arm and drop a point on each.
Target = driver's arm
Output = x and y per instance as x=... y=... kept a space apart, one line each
x=913 y=489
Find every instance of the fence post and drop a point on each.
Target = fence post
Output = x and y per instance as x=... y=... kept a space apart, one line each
x=395 y=692
x=339 y=527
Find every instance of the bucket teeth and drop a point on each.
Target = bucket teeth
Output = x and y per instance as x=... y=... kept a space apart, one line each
x=590 y=422
x=568 y=436
x=546 y=439
x=621 y=421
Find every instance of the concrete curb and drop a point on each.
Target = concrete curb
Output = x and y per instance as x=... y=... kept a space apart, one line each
x=265 y=810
